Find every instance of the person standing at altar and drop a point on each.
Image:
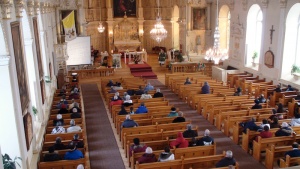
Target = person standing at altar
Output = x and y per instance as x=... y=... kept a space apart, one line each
x=162 y=57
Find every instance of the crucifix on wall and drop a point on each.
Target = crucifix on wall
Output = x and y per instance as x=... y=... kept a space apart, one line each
x=271 y=34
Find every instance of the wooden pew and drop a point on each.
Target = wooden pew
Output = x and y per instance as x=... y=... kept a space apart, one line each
x=289 y=161
x=285 y=99
x=62 y=164
x=273 y=153
x=276 y=95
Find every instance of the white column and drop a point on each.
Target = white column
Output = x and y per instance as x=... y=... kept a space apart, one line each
x=280 y=40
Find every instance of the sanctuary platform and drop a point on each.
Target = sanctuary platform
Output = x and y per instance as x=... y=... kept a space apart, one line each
x=142 y=70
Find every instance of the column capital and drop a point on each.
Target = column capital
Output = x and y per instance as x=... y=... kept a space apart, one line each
x=264 y=3
x=36 y=7
x=6 y=6
x=282 y=3
x=30 y=7
x=4 y=60
x=19 y=6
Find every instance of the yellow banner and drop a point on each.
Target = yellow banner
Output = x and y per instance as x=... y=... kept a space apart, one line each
x=69 y=21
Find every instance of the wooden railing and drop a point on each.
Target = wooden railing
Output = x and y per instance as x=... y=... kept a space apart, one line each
x=90 y=73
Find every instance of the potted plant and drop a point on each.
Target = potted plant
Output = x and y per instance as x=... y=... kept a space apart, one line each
x=8 y=163
x=254 y=56
x=295 y=69
x=34 y=109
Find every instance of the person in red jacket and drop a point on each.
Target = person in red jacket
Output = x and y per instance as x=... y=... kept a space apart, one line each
x=148 y=157
x=265 y=133
x=180 y=141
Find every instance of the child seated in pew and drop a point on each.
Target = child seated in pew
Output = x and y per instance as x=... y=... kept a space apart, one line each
x=148 y=157
x=52 y=155
x=58 y=145
x=285 y=130
x=173 y=112
x=122 y=111
x=137 y=147
x=73 y=154
x=58 y=129
x=167 y=155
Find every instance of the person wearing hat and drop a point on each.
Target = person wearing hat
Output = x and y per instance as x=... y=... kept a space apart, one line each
x=51 y=156
x=76 y=141
x=256 y=105
x=58 y=119
x=58 y=129
x=63 y=109
x=137 y=147
x=141 y=109
x=58 y=145
x=73 y=153
x=147 y=157
x=189 y=133
x=158 y=94
x=285 y=130
x=73 y=127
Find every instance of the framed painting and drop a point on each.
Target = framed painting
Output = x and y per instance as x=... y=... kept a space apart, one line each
x=269 y=59
x=28 y=129
x=122 y=6
x=199 y=18
x=38 y=48
x=20 y=62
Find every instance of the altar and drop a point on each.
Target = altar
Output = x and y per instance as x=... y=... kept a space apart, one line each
x=131 y=45
x=141 y=54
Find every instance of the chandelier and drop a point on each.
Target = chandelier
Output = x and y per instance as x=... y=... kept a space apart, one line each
x=216 y=54
x=100 y=28
x=158 y=33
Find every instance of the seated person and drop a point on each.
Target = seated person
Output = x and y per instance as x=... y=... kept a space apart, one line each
x=80 y=166
x=112 y=90
x=130 y=92
x=118 y=87
x=262 y=99
x=116 y=101
x=122 y=111
x=180 y=118
x=278 y=88
x=148 y=87
x=58 y=145
x=110 y=83
x=141 y=109
x=75 y=114
x=58 y=129
x=298 y=96
x=295 y=152
x=78 y=143
x=166 y=155
x=296 y=120
x=227 y=160
x=63 y=109
x=75 y=108
x=73 y=95
x=180 y=141
x=250 y=124
x=238 y=92
x=73 y=127
x=285 y=130
x=58 y=119
x=189 y=133
x=205 y=88
x=75 y=89
x=73 y=154
x=256 y=105
x=173 y=112
x=265 y=133
x=62 y=91
x=264 y=123
x=127 y=101
x=51 y=156
x=137 y=147
x=290 y=88
x=118 y=97
x=205 y=140
x=276 y=112
x=158 y=94
x=62 y=102
x=146 y=95
x=73 y=104
x=140 y=91
x=274 y=123
x=131 y=111
x=128 y=123
x=187 y=81
x=124 y=96
x=148 y=157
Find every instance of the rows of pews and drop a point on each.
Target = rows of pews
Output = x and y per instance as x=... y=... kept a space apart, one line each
x=156 y=130
x=66 y=138
x=226 y=111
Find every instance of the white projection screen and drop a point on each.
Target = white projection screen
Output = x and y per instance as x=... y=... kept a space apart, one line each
x=79 y=51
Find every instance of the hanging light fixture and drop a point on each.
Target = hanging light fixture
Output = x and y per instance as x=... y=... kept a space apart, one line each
x=100 y=28
x=158 y=33
x=215 y=53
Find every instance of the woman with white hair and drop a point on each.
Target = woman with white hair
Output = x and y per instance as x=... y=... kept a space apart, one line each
x=158 y=94
x=148 y=157
x=227 y=160
x=80 y=166
x=285 y=130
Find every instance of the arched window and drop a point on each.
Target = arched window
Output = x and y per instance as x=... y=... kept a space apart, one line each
x=291 y=51
x=224 y=27
x=254 y=34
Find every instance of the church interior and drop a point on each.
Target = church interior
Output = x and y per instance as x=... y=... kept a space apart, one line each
x=57 y=52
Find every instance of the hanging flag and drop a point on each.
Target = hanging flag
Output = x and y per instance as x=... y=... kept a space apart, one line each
x=69 y=27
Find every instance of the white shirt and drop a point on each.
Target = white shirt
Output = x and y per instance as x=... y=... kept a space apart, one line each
x=59 y=129
x=146 y=96
x=127 y=101
x=73 y=129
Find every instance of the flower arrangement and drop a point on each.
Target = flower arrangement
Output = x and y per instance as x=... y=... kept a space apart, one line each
x=136 y=59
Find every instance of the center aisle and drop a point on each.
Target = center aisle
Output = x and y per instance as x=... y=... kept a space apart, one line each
x=103 y=149
x=223 y=142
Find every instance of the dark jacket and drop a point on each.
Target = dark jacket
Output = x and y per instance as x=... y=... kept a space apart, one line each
x=274 y=125
x=284 y=131
x=147 y=158
x=58 y=120
x=205 y=89
x=179 y=120
x=63 y=111
x=122 y=112
x=51 y=157
x=225 y=162
x=129 y=123
x=78 y=143
x=75 y=115
x=251 y=126
x=257 y=106
x=139 y=92
x=158 y=94
x=59 y=146
x=293 y=153
x=206 y=140
x=189 y=134
x=137 y=148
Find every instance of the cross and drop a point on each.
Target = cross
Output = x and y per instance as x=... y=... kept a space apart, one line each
x=271 y=33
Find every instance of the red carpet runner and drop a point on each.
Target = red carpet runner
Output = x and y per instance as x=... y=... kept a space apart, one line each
x=142 y=70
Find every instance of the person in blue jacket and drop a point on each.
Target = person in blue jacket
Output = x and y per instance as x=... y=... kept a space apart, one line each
x=73 y=154
x=141 y=109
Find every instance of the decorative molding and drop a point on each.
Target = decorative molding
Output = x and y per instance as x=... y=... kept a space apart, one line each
x=245 y=4
x=264 y=3
x=4 y=60
x=231 y=4
x=6 y=6
x=36 y=8
x=283 y=3
x=194 y=2
x=19 y=6
x=30 y=8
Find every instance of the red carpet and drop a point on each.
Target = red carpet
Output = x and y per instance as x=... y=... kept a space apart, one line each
x=142 y=70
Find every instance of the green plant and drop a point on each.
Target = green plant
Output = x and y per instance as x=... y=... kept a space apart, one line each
x=8 y=163
x=35 y=111
x=178 y=55
x=254 y=56
x=295 y=69
x=116 y=62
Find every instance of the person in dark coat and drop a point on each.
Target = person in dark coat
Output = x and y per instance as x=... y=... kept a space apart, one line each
x=122 y=111
x=140 y=91
x=63 y=109
x=158 y=94
x=290 y=88
x=58 y=145
x=75 y=114
x=78 y=143
x=206 y=140
x=180 y=118
x=58 y=119
x=148 y=157
x=137 y=147
x=285 y=130
x=262 y=99
x=227 y=160
x=205 y=88
x=250 y=125
x=110 y=83
x=129 y=123
x=274 y=123
x=295 y=152
x=238 y=92
x=51 y=156
x=256 y=105
x=278 y=88
x=189 y=133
